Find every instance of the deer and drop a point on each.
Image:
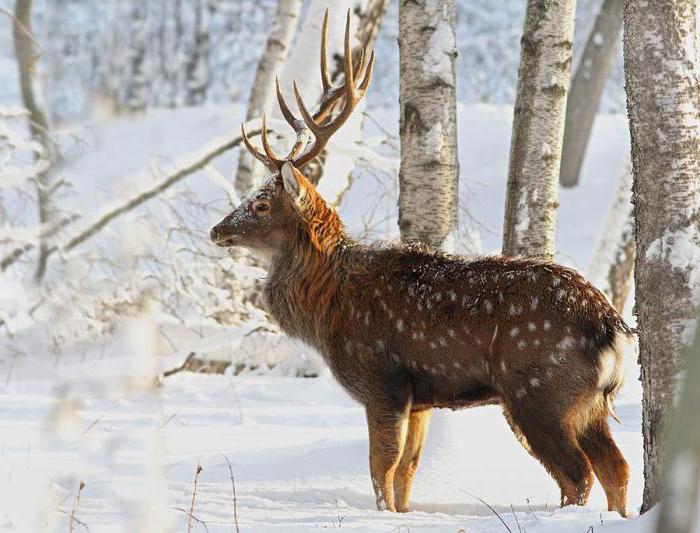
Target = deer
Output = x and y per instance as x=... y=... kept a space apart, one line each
x=406 y=329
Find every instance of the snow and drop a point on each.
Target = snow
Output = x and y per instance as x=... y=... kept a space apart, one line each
x=297 y=447
x=442 y=47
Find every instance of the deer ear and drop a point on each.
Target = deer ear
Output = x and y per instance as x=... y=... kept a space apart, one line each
x=290 y=181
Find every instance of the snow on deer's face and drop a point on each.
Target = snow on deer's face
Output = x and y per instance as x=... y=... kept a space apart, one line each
x=264 y=219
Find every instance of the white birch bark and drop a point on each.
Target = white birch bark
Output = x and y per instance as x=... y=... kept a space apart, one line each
x=429 y=171
x=262 y=94
x=538 y=128
x=38 y=122
x=663 y=100
x=587 y=88
x=680 y=506
x=197 y=71
x=613 y=259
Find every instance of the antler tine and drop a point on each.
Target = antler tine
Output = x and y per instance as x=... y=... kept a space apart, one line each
x=255 y=153
x=347 y=50
x=362 y=89
x=274 y=158
x=284 y=108
x=325 y=77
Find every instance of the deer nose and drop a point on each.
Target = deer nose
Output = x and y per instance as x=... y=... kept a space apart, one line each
x=214 y=234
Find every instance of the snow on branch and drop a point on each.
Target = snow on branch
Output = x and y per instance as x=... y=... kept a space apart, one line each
x=188 y=165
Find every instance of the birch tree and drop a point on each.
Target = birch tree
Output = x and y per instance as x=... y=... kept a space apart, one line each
x=429 y=171
x=663 y=100
x=613 y=259
x=680 y=506
x=538 y=128
x=38 y=123
x=587 y=88
x=197 y=72
x=262 y=93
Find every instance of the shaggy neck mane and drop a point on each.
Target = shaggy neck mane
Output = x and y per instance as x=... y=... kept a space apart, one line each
x=306 y=281
x=321 y=225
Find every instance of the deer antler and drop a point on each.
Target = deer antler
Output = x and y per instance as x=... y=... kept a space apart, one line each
x=321 y=124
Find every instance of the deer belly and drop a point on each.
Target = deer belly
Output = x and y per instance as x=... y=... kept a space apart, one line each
x=429 y=392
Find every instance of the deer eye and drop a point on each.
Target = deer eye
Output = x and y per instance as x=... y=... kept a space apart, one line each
x=261 y=207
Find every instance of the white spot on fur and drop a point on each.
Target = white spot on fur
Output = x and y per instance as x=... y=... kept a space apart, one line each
x=566 y=343
x=547 y=325
x=488 y=306
x=504 y=368
x=521 y=344
x=451 y=333
x=533 y=304
x=442 y=341
x=515 y=310
x=456 y=365
x=399 y=325
x=432 y=345
x=536 y=343
x=453 y=295
x=531 y=326
x=376 y=292
x=534 y=382
x=514 y=332
x=520 y=392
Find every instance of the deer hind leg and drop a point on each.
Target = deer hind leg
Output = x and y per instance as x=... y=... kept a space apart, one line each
x=549 y=439
x=405 y=472
x=387 y=437
x=609 y=465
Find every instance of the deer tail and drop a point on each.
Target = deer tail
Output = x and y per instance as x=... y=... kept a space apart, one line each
x=611 y=367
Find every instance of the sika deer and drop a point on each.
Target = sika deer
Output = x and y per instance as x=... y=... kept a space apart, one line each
x=406 y=329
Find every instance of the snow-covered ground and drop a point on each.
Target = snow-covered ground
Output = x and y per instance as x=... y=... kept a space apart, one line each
x=297 y=447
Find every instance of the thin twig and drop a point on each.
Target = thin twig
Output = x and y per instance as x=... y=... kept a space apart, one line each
x=94 y=423
x=165 y=423
x=516 y=518
x=491 y=508
x=192 y=517
x=527 y=500
x=76 y=505
x=233 y=486
x=194 y=495
x=21 y=26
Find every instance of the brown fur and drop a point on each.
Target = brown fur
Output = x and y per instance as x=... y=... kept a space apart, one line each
x=405 y=329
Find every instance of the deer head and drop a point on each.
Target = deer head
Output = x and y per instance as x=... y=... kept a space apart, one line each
x=287 y=204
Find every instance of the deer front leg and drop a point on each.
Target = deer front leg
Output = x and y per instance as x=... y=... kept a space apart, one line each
x=387 y=435
x=406 y=471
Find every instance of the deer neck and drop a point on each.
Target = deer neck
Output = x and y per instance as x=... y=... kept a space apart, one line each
x=302 y=286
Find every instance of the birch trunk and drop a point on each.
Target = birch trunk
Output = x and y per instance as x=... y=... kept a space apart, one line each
x=587 y=88
x=538 y=128
x=680 y=506
x=612 y=264
x=262 y=94
x=38 y=123
x=197 y=71
x=663 y=101
x=429 y=171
